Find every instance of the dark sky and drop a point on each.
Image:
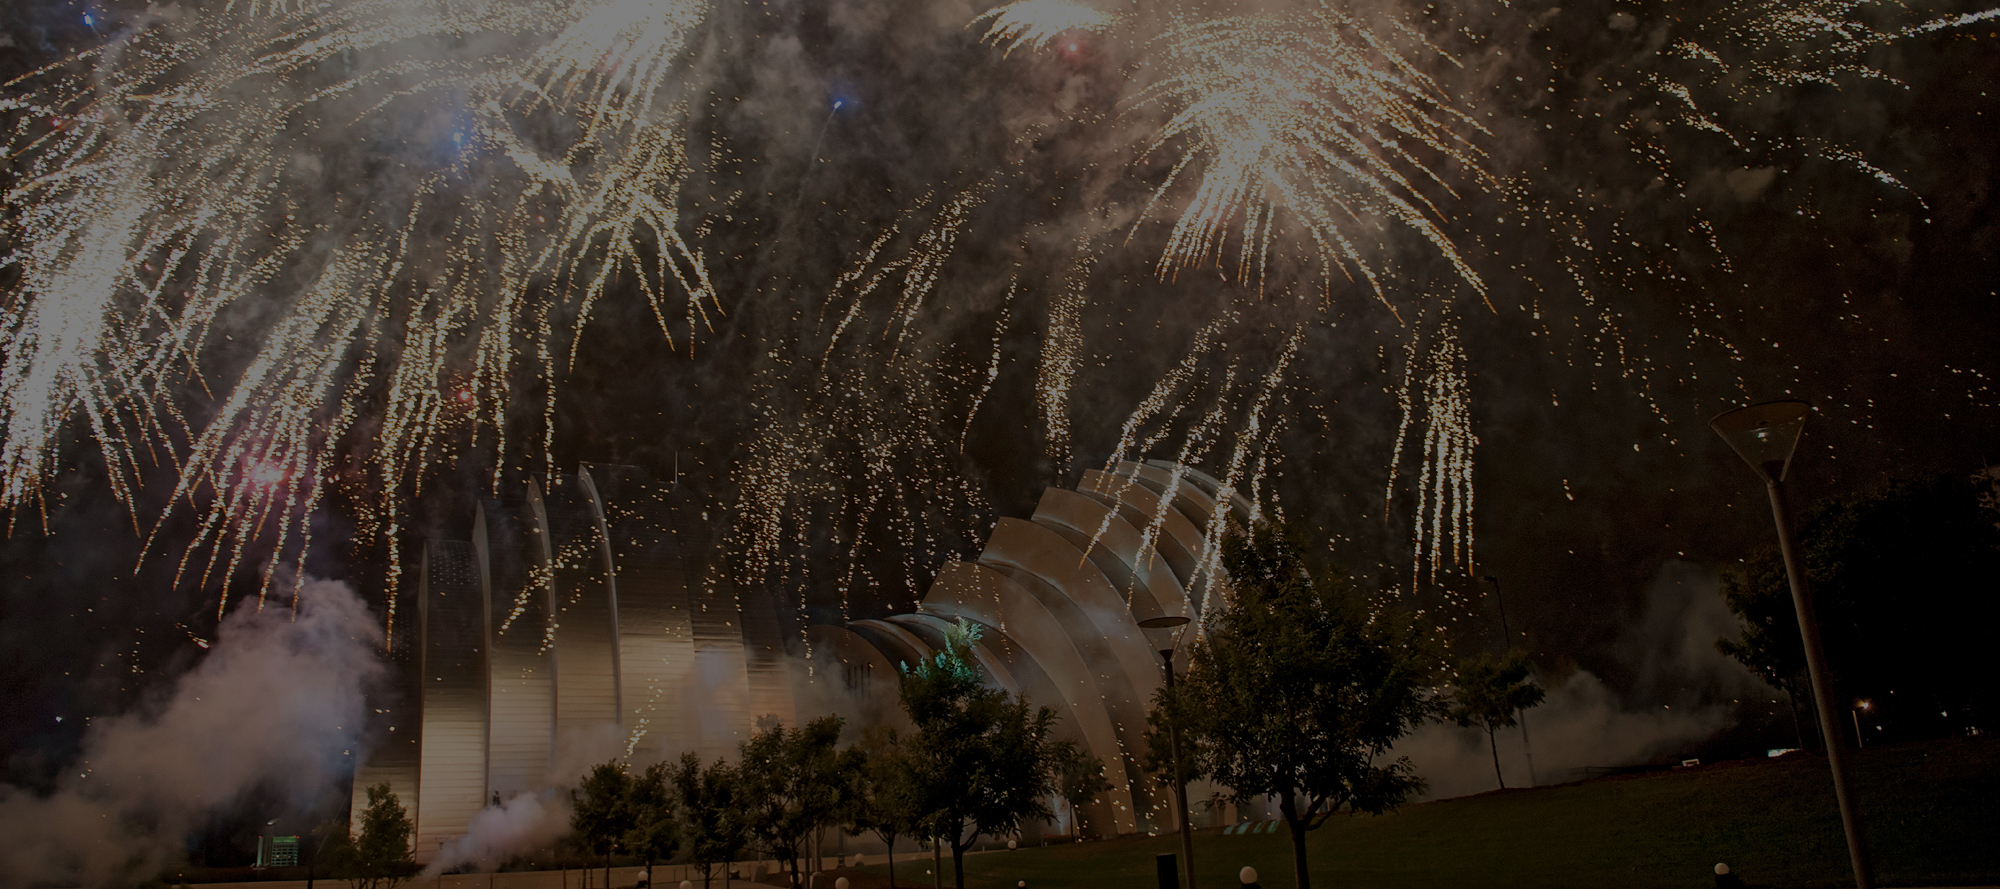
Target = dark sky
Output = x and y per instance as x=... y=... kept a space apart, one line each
x=1641 y=275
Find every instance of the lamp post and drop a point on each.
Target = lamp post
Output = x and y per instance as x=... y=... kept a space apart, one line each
x=1160 y=628
x=1765 y=436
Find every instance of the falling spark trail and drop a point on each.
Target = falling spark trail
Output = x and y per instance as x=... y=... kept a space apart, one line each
x=813 y=164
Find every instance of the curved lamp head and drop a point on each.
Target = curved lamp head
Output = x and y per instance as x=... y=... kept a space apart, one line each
x=1164 y=632
x=1765 y=435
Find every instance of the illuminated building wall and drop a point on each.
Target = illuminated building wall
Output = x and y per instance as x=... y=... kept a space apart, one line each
x=585 y=622
x=453 y=624
x=522 y=711
x=590 y=621
x=395 y=757
x=1059 y=614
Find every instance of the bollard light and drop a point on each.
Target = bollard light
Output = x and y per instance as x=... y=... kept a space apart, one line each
x=1248 y=875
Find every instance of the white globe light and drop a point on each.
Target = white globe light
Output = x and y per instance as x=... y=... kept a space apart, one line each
x=840 y=883
x=1721 y=869
x=687 y=884
x=1013 y=845
x=1248 y=875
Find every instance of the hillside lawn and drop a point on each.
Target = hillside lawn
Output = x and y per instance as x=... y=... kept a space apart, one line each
x=1932 y=813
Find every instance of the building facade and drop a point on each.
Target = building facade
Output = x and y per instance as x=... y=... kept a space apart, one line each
x=590 y=620
x=584 y=622
x=1058 y=599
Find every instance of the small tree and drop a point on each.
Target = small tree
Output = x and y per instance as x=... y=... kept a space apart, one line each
x=327 y=850
x=711 y=821
x=1296 y=690
x=653 y=835
x=887 y=796
x=1490 y=691
x=983 y=760
x=380 y=857
x=1079 y=778
x=791 y=784
x=600 y=812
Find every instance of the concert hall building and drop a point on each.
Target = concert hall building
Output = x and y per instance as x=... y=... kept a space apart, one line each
x=590 y=620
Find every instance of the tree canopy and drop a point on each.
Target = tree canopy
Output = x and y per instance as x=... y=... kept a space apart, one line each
x=1297 y=688
x=710 y=821
x=888 y=798
x=1489 y=692
x=653 y=834
x=379 y=858
x=983 y=760
x=791 y=782
x=1903 y=584
x=601 y=811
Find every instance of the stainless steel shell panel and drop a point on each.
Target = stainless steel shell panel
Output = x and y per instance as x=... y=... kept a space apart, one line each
x=453 y=782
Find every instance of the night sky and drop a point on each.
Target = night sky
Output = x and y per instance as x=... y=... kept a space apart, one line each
x=1830 y=237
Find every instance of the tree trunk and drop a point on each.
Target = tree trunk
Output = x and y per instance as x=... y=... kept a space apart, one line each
x=1812 y=719
x=1288 y=807
x=1495 y=745
x=958 y=865
x=891 y=838
x=1798 y=728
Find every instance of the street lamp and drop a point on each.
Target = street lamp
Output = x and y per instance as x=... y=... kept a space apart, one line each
x=1859 y=742
x=1765 y=436
x=1166 y=635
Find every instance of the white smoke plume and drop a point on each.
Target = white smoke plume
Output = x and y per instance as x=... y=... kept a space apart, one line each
x=497 y=833
x=276 y=704
x=1684 y=692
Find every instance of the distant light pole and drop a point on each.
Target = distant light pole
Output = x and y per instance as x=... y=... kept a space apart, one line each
x=1859 y=742
x=1168 y=630
x=1765 y=436
x=1507 y=644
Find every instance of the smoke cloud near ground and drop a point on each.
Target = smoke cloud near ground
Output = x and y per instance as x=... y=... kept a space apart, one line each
x=497 y=833
x=276 y=706
x=1685 y=691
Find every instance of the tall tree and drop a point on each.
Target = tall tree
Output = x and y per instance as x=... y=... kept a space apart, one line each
x=1769 y=644
x=1901 y=579
x=711 y=820
x=380 y=857
x=984 y=760
x=1489 y=692
x=887 y=800
x=654 y=834
x=791 y=783
x=1296 y=690
x=600 y=810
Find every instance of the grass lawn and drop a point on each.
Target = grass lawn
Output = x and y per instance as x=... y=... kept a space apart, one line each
x=1932 y=813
